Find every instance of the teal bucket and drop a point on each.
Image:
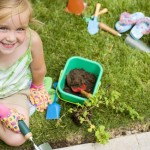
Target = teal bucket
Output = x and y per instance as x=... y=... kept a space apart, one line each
x=77 y=62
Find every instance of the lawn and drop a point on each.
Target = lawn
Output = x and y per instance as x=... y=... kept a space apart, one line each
x=126 y=70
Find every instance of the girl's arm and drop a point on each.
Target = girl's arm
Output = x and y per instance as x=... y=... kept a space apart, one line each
x=38 y=67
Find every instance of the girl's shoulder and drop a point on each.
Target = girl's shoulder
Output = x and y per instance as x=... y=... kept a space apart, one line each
x=36 y=41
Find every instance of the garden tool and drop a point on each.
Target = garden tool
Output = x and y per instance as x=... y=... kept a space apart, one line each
x=28 y=135
x=103 y=11
x=80 y=89
x=53 y=110
x=93 y=24
x=108 y=29
x=137 y=44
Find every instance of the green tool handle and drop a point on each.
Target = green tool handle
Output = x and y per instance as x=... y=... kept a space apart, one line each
x=24 y=129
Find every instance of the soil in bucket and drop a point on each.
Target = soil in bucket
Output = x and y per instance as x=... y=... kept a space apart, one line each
x=78 y=77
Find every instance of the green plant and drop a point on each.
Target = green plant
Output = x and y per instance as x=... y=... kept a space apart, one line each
x=83 y=113
x=101 y=135
x=118 y=106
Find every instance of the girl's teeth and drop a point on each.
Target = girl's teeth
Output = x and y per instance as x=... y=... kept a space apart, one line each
x=8 y=45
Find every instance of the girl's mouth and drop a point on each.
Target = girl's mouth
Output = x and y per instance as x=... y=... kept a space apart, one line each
x=8 y=45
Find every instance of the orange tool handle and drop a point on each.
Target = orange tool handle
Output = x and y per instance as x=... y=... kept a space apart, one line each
x=98 y=5
x=86 y=94
x=103 y=11
x=108 y=29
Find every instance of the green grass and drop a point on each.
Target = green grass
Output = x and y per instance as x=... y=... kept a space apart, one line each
x=126 y=70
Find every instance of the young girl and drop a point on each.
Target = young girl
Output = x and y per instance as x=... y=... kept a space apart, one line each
x=22 y=69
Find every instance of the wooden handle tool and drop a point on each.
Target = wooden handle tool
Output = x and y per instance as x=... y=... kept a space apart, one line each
x=98 y=6
x=86 y=94
x=103 y=11
x=108 y=29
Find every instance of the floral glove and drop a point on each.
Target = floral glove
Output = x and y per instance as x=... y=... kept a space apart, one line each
x=39 y=97
x=10 y=117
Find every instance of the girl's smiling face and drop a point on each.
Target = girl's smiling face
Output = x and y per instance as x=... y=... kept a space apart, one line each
x=13 y=32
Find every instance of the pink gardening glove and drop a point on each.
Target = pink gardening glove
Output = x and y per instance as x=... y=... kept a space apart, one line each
x=39 y=97
x=10 y=117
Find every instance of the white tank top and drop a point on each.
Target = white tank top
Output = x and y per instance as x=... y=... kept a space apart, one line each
x=18 y=76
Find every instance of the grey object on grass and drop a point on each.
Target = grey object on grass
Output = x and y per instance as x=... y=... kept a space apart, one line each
x=138 y=44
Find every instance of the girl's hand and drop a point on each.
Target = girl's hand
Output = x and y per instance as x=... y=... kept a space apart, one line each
x=10 y=117
x=39 y=97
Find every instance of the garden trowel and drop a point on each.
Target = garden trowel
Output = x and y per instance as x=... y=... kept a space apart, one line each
x=78 y=88
x=137 y=44
x=28 y=135
x=81 y=90
x=103 y=11
x=93 y=25
x=108 y=29
x=53 y=110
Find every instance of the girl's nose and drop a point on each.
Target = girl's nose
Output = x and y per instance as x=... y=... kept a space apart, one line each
x=11 y=36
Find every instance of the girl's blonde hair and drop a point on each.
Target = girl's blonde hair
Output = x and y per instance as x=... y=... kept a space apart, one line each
x=14 y=7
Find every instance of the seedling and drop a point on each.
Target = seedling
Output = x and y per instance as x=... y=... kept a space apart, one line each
x=83 y=113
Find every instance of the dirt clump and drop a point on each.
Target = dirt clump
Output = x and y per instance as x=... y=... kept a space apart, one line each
x=78 y=77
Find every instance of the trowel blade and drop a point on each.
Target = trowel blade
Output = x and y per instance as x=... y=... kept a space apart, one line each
x=45 y=146
x=93 y=26
x=138 y=44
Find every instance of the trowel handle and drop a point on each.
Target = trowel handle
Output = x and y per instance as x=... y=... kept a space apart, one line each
x=98 y=5
x=24 y=129
x=108 y=29
x=103 y=11
x=86 y=94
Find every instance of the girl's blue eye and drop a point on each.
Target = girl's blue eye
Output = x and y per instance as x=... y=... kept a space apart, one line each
x=3 y=28
x=20 y=29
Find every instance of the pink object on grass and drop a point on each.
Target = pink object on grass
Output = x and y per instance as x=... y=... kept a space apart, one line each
x=141 y=28
x=127 y=21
